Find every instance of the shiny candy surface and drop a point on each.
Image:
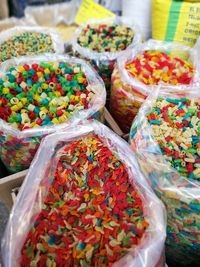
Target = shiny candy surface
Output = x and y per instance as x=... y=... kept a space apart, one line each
x=91 y=216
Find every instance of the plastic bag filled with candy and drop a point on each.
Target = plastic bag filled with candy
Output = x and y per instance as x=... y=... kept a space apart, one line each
x=84 y=202
x=40 y=95
x=102 y=41
x=165 y=136
x=29 y=41
x=140 y=70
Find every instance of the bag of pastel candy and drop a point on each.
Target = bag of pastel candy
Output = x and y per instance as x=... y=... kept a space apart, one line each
x=41 y=95
x=165 y=136
x=84 y=202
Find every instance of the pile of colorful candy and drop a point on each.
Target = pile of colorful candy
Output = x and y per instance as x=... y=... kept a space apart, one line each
x=175 y=125
x=144 y=69
x=42 y=94
x=21 y=41
x=93 y=212
x=101 y=42
x=168 y=149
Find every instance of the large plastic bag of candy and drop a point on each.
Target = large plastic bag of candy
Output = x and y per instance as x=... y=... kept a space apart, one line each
x=140 y=70
x=102 y=41
x=40 y=95
x=29 y=41
x=84 y=202
x=165 y=136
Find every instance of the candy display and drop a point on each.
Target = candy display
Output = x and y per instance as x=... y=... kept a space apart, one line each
x=87 y=207
x=22 y=41
x=38 y=96
x=166 y=137
x=101 y=42
x=138 y=71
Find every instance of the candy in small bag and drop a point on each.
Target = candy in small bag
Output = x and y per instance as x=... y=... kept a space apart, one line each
x=84 y=202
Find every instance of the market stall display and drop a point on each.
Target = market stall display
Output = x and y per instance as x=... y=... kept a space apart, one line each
x=102 y=41
x=28 y=41
x=40 y=95
x=78 y=214
x=140 y=70
x=165 y=137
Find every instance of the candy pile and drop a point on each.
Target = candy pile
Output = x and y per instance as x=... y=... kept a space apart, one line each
x=91 y=216
x=43 y=94
x=152 y=67
x=106 y=38
x=38 y=95
x=99 y=42
x=149 y=68
x=173 y=124
x=27 y=43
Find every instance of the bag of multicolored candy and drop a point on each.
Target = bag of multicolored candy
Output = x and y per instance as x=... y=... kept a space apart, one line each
x=165 y=136
x=102 y=41
x=29 y=41
x=40 y=95
x=83 y=203
x=140 y=70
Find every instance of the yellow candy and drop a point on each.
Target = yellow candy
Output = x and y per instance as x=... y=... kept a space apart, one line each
x=44 y=86
x=80 y=79
x=40 y=74
x=47 y=71
x=5 y=91
x=55 y=120
x=20 y=68
x=20 y=105
x=15 y=108
x=76 y=98
x=57 y=93
x=24 y=100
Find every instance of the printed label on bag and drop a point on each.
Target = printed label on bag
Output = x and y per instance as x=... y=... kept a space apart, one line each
x=90 y=10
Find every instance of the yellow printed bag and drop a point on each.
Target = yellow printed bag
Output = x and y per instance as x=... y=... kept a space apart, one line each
x=176 y=21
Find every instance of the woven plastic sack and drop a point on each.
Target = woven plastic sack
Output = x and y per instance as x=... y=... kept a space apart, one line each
x=180 y=193
x=104 y=62
x=41 y=175
x=128 y=93
x=57 y=45
x=176 y=21
x=19 y=147
x=59 y=16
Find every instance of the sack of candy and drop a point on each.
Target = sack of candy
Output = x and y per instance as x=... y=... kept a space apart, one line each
x=85 y=202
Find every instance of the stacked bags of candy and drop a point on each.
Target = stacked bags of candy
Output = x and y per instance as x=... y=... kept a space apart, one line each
x=102 y=41
x=84 y=202
x=29 y=41
x=40 y=95
x=165 y=136
x=140 y=70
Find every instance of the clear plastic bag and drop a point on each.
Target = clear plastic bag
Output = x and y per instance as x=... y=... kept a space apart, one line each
x=57 y=43
x=7 y=23
x=127 y=93
x=35 y=188
x=59 y=16
x=180 y=194
x=18 y=147
x=104 y=62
